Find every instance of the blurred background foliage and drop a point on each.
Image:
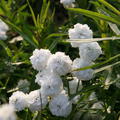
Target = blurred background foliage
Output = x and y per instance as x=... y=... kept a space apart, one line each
x=44 y=24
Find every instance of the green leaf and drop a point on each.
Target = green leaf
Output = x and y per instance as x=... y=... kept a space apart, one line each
x=98 y=64
x=44 y=11
x=94 y=15
x=112 y=8
x=106 y=67
x=93 y=39
x=55 y=35
x=24 y=35
x=32 y=12
x=8 y=51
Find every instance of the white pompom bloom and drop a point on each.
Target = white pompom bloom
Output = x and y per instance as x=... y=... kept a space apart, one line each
x=79 y=32
x=18 y=100
x=36 y=101
x=83 y=74
x=90 y=51
x=52 y=86
x=60 y=106
x=42 y=76
x=73 y=84
x=67 y=2
x=60 y=63
x=40 y=58
x=7 y=112
x=3 y=29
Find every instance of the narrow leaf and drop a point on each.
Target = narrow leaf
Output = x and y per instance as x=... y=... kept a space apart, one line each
x=112 y=8
x=95 y=15
x=93 y=39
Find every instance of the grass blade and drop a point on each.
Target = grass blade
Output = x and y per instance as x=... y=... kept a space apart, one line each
x=106 y=67
x=32 y=13
x=94 y=15
x=109 y=6
x=93 y=39
x=8 y=51
x=98 y=64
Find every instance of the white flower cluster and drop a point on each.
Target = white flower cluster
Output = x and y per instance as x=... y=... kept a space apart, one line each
x=3 y=29
x=7 y=112
x=50 y=68
x=88 y=52
x=67 y=3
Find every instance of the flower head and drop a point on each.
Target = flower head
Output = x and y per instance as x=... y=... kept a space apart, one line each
x=60 y=106
x=67 y=3
x=60 y=63
x=52 y=86
x=3 y=29
x=74 y=84
x=79 y=32
x=7 y=112
x=18 y=100
x=36 y=101
x=82 y=74
x=40 y=58
x=90 y=51
x=42 y=76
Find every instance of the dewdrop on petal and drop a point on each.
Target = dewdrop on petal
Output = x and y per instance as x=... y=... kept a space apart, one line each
x=40 y=58
x=52 y=86
x=79 y=32
x=60 y=105
x=67 y=3
x=73 y=84
x=90 y=51
x=18 y=100
x=36 y=101
x=3 y=29
x=7 y=112
x=82 y=74
x=60 y=63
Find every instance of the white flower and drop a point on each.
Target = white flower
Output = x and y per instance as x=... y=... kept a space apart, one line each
x=52 y=86
x=3 y=35
x=92 y=96
x=36 y=101
x=79 y=32
x=42 y=76
x=18 y=100
x=83 y=74
x=40 y=58
x=97 y=105
x=67 y=2
x=3 y=29
x=60 y=106
x=90 y=51
x=23 y=85
x=75 y=99
x=16 y=39
x=60 y=63
x=7 y=112
x=73 y=84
